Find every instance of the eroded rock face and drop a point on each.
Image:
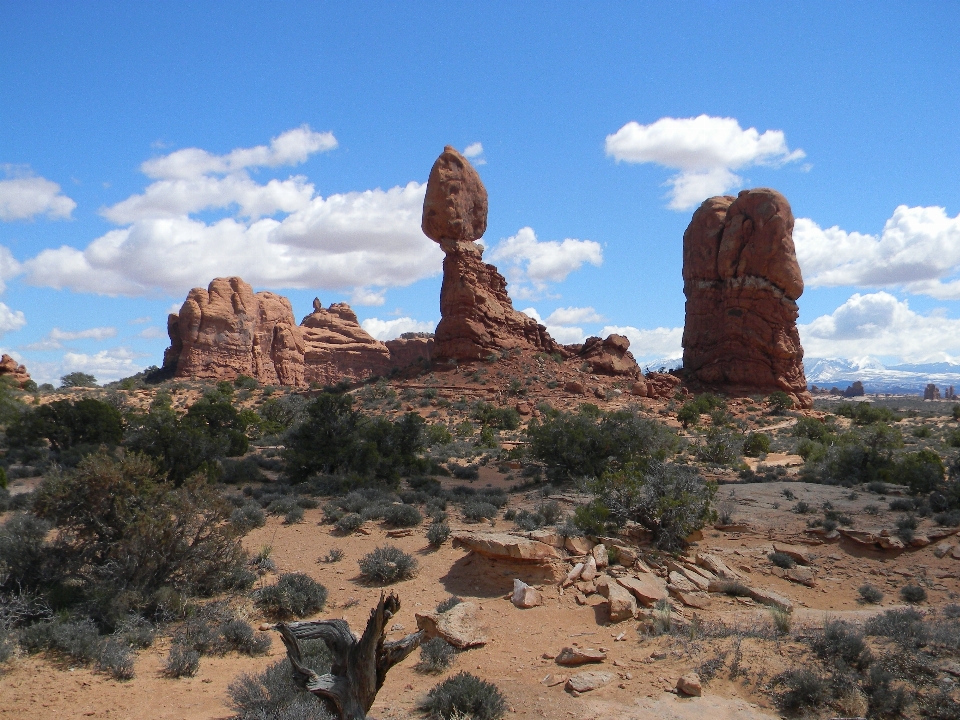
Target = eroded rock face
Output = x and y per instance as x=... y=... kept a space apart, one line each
x=477 y=317
x=228 y=330
x=337 y=348
x=609 y=357
x=10 y=368
x=742 y=281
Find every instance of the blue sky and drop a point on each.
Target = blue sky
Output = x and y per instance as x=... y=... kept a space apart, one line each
x=147 y=148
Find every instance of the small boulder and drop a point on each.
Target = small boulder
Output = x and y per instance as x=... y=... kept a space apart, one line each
x=689 y=684
x=589 y=569
x=647 y=588
x=600 y=555
x=525 y=596
x=942 y=549
x=802 y=575
x=505 y=546
x=457 y=626
x=575 y=387
x=587 y=681
x=797 y=553
x=578 y=545
x=579 y=656
x=639 y=388
x=621 y=605
x=573 y=575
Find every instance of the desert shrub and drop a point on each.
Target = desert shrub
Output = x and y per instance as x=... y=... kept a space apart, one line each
x=272 y=694
x=477 y=510
x=448 y=604
x=906 y=524
x=295 y=595
x=948 y=519
x=550 y=511
x=348 y=523
x=506 y=418
x=333 y=555
x=526 y=520
x=436 y=655
x=465 y=695
x=840 y=642
x=115 y=539
x=913 y=594
x=734 y=588
x=241 y=472
x=902 y=505
x=335 y=438
x=78 y=639
x=782 y=620
x=137 y=632
x=116 y=659
x=293 y=516
x=438 y=533
x=812 y=429
x=905 y=627
x=465 y=472
x=240 y=636
x=247 y=517
x=756 y=444
x=587 y=444
x=803 y=689
x=779 y=402
x=402 y=516
x=438 y=434
x=671 y=501
x=864 y=413
x=801 y=508
x=181 y=662
x=24 y=553
x=66 y=423
x=884 y=700
x=717 y=447
x=387 y=565
x=494 y=496
x=921 y=471
x=782 y=560
x=870 y=594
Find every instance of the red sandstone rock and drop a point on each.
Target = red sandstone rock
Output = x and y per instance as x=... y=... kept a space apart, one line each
x=477 y=316
x=9 y=368
x=742 y=281
x=661 y=385
x=410 y=349
x=610 y=356
x=336 y=347
x=228 y=330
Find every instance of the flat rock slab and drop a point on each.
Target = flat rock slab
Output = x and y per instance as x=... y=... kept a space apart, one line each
x=621 y=604
x=646 y=588
x=796 y=552
x=506 y=546
x=579 y=656
x=457 y=626
x=671 y=707
x=587 y=681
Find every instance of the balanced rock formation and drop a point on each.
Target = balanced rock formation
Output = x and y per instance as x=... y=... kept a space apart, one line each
x=12 y=370
x=477 y=316
x=742 y=281
x=228 y=330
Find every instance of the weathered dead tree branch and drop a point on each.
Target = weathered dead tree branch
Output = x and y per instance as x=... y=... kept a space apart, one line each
x=359 y=666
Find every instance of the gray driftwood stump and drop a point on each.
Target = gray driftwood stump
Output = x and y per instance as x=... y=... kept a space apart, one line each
x=359 y=666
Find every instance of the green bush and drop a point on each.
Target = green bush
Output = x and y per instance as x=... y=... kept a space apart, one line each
x=181 y=662
x=66 y=424
x=25 y=556
x=671 y=501
x=718 y=447
x=478 y=510
x=387 y=565
x=587 y=443
x=779 y=401
x=839 y=641
x=864 y=413
x=870 y=594
x=402 y=516
x=812 y=429
x=436 y=655
x=438 y=533
x=803 y=690
x=438 y=434
x=348 y=523
x=913 y=594
x=78 y=380
x=465 y=695
x=921 y=471
x=756 y=444
x=487 y=415
x=295 y=595
x=782 y=560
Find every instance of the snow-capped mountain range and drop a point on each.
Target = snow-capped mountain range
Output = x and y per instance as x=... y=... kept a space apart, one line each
x=879 y=378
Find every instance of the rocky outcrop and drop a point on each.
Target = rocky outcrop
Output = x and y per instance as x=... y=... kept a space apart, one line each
x=477 y=317
x=337 y=348
x=742 y=281
x=228 y=330
x=609 y=357
x=12 y=371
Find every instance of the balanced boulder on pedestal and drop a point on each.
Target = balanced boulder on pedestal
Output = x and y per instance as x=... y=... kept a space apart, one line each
x=477 y=317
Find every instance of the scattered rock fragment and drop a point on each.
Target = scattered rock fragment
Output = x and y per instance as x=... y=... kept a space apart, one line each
x=579 y=656
x=689 y=684
x=457 y=626
x=587 y=681
x=620 y=602
x=525 y=596
x=647 y=589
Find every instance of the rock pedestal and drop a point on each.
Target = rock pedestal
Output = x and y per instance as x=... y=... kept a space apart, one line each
x=477 y=316
x=742 y=281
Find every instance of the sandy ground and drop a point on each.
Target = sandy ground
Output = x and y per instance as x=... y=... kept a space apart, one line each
x=644 y=667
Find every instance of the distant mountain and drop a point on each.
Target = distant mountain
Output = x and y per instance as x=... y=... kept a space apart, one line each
x=877 y=378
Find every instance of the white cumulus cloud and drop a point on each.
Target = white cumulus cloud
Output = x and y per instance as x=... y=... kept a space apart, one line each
x=704 y=149
x=153 y=333
x=880 y=324
x=24 y=195
x=10 y=320
x=391 y=329
x=654 y=344
x=573 y=315
x=282 y=234
x=528 y=260
x=474 y=151
x=918 y=250
x=55 y=339
x=9 y=267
